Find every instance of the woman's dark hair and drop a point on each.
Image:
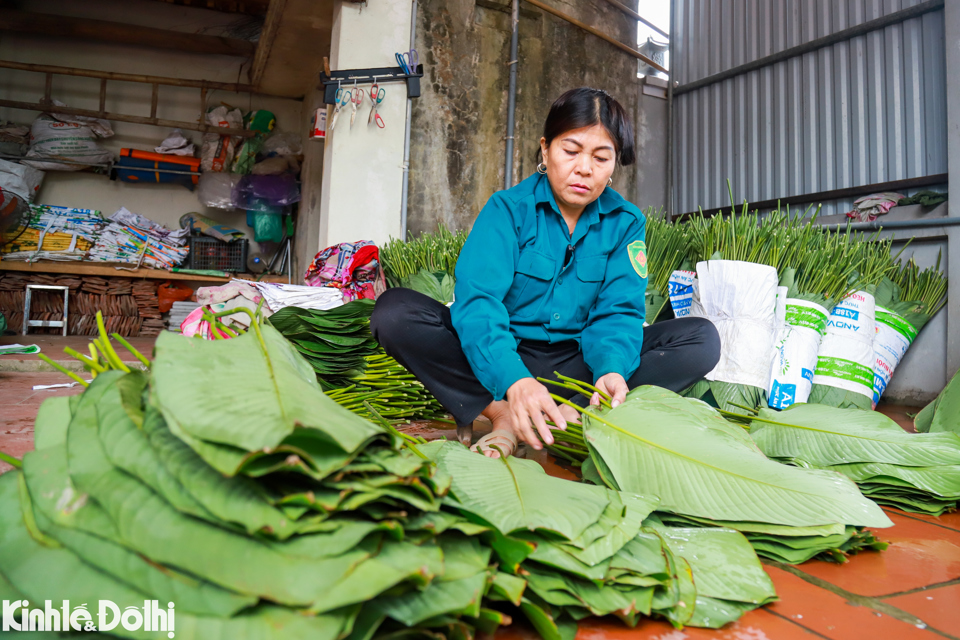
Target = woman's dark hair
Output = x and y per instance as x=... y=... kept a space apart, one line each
x=585 y=107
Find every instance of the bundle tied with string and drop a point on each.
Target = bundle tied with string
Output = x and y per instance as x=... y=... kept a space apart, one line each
x=817 y=275
x=844 y=374
x=906 y=301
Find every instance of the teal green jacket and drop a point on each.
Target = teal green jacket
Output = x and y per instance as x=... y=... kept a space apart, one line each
x=514 y=282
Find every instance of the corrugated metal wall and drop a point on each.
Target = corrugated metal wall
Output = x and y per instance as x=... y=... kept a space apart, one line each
x=864 y=111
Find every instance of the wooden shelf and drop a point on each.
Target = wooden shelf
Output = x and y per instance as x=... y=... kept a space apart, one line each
x=108 y=269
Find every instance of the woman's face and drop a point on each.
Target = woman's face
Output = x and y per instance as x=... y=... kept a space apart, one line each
x=579 y=163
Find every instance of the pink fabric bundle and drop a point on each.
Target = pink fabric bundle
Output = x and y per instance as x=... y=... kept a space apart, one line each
x=354 y=268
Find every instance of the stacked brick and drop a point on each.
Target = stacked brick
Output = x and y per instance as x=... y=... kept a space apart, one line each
x=130 y=307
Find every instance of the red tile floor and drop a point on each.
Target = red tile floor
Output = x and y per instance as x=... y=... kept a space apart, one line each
x=911 y=590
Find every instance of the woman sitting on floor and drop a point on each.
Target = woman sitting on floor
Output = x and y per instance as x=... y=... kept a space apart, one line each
x=551 y=278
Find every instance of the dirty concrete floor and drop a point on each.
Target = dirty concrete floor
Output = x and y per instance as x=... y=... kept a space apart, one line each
x=909 y=591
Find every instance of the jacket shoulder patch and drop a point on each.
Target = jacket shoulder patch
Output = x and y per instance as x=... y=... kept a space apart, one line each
x=638 y=257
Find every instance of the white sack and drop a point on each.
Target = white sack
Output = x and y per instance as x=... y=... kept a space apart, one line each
x=53 y=139
x=20 y=180
x=216 y=151
x=740 y=298
x=791 y=376
x=846 y=357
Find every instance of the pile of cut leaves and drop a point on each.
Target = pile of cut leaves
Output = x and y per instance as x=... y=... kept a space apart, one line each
x=708 y=472
x=221 y=478
x=351 y=367
x=914 y=472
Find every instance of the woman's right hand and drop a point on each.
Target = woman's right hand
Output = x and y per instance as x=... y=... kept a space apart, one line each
x=528 y=401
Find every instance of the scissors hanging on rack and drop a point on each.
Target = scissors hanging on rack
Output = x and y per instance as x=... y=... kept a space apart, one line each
x=376 y=97
x=408 y=61
x=355 y=101
x=343 y=97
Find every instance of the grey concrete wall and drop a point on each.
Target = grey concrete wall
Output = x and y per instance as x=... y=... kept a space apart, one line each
x=459 y=123
x=651 y=122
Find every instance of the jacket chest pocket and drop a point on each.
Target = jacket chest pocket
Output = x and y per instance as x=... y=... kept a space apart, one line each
x=531 y=284
x=591 y=271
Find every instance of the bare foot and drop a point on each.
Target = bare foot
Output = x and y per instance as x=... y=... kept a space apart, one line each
x=498 y=413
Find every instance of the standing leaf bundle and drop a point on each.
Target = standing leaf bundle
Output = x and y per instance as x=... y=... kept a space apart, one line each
x=425 y=264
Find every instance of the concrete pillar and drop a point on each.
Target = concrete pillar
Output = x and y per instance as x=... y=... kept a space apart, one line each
x=362 y=165
x=952 y=35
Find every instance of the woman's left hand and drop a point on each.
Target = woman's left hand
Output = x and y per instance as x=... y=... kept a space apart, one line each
x=614 y=386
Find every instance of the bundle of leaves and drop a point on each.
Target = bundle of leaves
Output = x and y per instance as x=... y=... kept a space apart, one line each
x=335 y=342
x=914 y=294
x=943 y=414
x=913 y=472
x=393 y=392
x=708 y=472
x=223 y=479
x=350 y=365
x=668 y=248
x=873 y=261
x=425 y=264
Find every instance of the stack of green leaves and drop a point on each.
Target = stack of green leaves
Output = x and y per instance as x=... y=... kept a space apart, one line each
x=708 y=472
x=943 y=414
x=335 y=342
x=350 y=365
x=913 y=472
x=393 y=392
x=224 y=480
x=425 y=264
x=584 y=551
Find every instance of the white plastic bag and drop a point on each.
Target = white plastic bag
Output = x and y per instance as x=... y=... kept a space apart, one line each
x=791 y=376
x=846 y=357
x=216 y=189
x=177 y=144
x=740 y=298
x=894 y=336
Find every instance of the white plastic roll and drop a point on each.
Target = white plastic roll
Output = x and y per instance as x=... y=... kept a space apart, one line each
x=894 y=336
x=681 y=287
x=791 y=376
x=846 y=356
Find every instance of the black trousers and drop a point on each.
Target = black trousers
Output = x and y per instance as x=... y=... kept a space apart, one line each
x=417 y=331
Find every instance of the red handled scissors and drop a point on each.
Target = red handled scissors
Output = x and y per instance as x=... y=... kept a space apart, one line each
x=376 y=97
x=355 y=101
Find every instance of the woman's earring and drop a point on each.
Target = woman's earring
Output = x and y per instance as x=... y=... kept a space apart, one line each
x=541 y=168
x=609 y=182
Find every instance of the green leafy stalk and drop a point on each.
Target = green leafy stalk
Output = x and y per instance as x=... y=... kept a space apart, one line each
x=10 y=460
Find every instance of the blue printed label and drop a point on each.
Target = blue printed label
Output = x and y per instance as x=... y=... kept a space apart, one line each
x=845 y=312
x=806 y=373
x=677 y=288
x=782 y=395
